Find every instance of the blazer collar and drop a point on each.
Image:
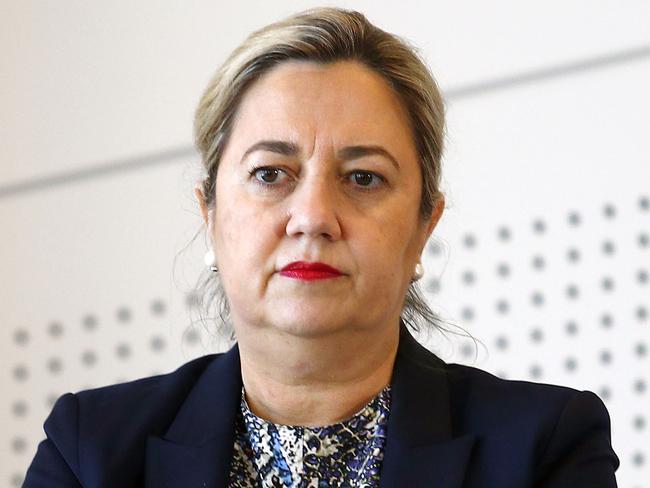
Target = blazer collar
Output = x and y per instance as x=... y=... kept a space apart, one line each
x=197 y=448
x=420 y=447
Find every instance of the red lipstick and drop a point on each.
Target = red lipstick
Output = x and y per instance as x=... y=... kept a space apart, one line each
x=302 y=270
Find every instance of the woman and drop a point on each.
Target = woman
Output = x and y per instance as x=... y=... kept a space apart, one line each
x=322 y=139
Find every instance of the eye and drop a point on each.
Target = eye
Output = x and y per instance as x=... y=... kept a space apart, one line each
x=366 y=179
x=267 y=175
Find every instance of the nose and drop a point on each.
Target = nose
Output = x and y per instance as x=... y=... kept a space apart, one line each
x=313 y=210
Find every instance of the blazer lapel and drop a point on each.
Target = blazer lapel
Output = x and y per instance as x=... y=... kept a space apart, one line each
x=420 y=447
x=196 y=451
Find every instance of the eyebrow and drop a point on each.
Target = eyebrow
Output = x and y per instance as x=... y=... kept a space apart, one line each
x=280 y=147
x=354 y=152
x=286 y=148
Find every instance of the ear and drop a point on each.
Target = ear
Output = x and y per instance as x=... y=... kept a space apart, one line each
x=198 y=192
x=436 y=213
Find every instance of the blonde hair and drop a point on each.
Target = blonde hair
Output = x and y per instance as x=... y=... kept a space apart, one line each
x=325 y=35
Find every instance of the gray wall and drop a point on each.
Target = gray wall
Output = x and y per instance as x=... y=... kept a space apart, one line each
x=543 y=253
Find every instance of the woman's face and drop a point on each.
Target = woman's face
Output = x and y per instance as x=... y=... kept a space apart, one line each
x=320 y=167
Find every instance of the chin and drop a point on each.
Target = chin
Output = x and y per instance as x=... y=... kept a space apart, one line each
x=310 y=324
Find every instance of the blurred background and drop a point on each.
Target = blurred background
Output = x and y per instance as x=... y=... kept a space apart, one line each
x=543 y=253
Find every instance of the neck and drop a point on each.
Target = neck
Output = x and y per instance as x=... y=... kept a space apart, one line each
x=314 y=381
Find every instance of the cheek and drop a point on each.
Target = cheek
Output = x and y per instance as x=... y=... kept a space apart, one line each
x=244 y=234
x=381 y=278
x=381 y=249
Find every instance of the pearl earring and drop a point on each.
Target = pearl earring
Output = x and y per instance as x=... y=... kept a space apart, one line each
x=210 y=261
x=419 y=271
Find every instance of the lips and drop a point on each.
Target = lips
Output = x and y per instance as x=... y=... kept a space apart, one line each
x=302 y=270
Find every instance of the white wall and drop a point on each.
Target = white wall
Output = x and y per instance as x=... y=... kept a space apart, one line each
x=548 y=116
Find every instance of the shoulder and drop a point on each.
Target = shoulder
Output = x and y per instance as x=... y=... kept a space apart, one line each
x=547 y=435
x=165 y=389
x=111 y=422
x=477 y=390
x=480 y=397
x=559 y=433
x=147 y=404
x=476 y=395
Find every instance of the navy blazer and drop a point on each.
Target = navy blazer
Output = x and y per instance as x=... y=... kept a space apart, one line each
x=450 y=426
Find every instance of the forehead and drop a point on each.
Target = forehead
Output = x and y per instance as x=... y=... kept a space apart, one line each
x=343 y=102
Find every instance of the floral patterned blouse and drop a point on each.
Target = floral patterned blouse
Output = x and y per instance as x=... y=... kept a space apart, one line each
x=345 y=454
